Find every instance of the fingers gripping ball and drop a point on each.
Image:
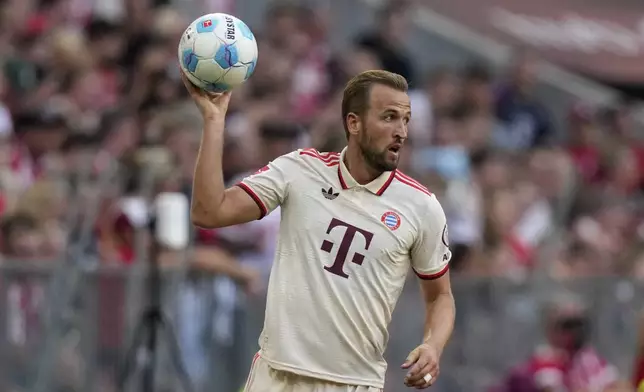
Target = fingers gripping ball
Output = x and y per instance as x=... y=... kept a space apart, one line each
x=218 y=52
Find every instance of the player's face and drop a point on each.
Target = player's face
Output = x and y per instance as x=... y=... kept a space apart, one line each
x=384 y=127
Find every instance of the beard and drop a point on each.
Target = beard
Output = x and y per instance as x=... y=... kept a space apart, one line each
x=376 y=158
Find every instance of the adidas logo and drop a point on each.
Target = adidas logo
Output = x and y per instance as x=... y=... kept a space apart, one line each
x=329 y=193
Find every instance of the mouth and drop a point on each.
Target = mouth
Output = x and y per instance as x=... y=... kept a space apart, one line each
x=395 y=148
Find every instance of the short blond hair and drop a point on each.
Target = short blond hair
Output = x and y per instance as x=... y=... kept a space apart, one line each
x=355 y=98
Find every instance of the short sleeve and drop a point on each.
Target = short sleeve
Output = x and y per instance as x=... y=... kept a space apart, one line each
x=430 y=254
x=269 y=185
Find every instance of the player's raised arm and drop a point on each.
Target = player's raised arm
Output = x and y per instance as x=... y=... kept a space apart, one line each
x=212 y=204
x=430 y=261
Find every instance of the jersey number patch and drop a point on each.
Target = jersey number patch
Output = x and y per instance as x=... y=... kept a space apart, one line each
x=350 y=233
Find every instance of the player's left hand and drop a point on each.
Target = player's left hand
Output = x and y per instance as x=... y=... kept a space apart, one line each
x=421 y=361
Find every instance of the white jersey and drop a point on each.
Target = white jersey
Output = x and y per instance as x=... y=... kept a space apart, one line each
x=342 y=258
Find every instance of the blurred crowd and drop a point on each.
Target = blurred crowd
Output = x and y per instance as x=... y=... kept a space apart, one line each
x=86 y=98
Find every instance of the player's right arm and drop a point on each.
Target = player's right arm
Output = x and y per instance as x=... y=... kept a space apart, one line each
x=212 y=204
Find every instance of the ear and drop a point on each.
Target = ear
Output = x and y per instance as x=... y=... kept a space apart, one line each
x=354 y=123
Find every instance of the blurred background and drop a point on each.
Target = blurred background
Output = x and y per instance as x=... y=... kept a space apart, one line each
x=527 y=124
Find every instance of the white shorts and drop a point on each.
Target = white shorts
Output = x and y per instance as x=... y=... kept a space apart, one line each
x=263 y=378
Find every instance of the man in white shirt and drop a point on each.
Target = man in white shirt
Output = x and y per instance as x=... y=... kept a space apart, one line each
x=351 y=226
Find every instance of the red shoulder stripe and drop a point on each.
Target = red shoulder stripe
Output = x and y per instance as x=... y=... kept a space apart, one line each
x=412 y=180
x=322 y=153
x=326 y=156
x=413 y=185
x=329 y=161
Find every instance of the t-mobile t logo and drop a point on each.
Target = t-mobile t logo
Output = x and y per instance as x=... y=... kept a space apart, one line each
x=343 y=250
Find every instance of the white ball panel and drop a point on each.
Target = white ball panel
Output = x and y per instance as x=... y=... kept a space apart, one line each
x=208 y=71
x=206 y=45
x=235 y=76
x=246 y=50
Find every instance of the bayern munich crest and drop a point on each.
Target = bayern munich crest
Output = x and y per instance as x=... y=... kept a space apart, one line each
x=391 y=220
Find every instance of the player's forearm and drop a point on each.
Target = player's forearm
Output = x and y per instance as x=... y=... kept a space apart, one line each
x=208 y=184
x=439 y=320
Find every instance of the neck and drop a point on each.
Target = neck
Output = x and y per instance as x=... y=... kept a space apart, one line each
x=358 y=167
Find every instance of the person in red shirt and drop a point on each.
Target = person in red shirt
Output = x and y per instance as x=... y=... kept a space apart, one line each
x=567 y=362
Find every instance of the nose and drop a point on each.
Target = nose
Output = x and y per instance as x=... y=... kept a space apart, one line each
x=400 y=130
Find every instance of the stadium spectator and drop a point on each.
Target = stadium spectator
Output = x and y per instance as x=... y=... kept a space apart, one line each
x=437 y=97
x=39 y=135
x=21 y=238
x=388 y=40
x=482 y=128
x=527 y=123
x=45 y=201
x=567 y=362
x=585 y=142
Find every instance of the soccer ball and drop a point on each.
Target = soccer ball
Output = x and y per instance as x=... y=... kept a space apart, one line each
x=218 y=52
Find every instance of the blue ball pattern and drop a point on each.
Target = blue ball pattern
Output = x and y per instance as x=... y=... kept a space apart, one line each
x=211 y=71
x=190 y=60
x=226 y=56
x=245 y=31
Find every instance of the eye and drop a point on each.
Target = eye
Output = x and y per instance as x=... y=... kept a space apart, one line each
x=389 y=117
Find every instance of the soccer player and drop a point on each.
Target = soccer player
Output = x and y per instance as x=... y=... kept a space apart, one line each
x=351 y=226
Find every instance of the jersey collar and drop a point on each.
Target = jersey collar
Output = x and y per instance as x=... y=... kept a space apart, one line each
x=377 y=186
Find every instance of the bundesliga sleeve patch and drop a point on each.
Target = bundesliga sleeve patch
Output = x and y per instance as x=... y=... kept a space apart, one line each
x=262 y=170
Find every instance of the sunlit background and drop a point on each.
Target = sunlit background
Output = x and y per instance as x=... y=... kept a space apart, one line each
x=526 y=125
